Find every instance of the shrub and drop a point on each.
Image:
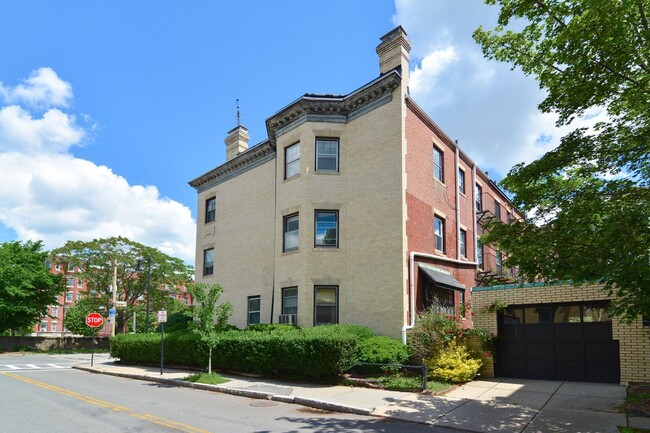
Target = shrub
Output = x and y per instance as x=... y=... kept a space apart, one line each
x=320 y=354
x=382 y=350
x=359 y=332
x=432 y=332
x=177 y=321
x=271 y=327
x=453 y=364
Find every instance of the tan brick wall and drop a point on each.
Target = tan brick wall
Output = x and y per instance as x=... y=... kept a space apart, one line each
x=634 y=339
x=242 y=238
x=368 y=191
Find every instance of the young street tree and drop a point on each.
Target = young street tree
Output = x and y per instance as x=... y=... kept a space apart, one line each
x=209 y=319
x=27 y=287
x=99 y=258
x=588 y=200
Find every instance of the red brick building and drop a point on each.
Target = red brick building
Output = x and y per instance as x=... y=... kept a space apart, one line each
x=54 y=322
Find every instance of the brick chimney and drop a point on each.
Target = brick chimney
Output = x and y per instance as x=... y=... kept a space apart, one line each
x=394 y=52
x=236 y=142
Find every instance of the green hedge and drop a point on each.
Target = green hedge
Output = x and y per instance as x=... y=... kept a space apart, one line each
x=320 y=353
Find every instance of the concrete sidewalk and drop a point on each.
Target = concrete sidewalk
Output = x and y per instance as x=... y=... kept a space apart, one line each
x=503 y=405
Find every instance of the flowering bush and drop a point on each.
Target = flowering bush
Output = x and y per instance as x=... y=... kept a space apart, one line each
x=440 y=341
x=433 y=331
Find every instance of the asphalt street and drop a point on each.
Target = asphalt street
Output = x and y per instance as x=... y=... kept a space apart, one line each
x=44 y=393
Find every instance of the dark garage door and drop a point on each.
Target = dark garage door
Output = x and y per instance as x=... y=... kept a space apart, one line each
x=558 y=342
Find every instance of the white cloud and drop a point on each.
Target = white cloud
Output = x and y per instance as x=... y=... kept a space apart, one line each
x=48 y=194
x=54 y=132
x=423 y=78
x=489 y=109
x=42 y=89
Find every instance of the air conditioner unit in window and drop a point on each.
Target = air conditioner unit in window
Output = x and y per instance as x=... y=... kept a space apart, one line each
x=289 y=319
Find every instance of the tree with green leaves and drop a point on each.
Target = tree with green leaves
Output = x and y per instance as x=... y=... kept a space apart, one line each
x=588 y=200
x=100 y=258
x=209 y=319
x=75 y=316
x=27 y=287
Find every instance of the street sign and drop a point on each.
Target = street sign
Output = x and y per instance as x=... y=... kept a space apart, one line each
x=120 y=303
x=162 y=316
x=111 y=314
x=94 y=320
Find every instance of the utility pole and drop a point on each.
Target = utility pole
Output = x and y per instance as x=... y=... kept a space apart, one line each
x=113 y=324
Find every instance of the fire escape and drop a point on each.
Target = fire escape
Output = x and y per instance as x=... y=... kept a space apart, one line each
x=492 y=271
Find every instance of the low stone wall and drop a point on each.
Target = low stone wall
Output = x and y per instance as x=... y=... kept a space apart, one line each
x=9 y=344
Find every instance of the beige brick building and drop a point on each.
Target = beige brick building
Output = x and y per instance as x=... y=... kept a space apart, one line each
x=358 y=208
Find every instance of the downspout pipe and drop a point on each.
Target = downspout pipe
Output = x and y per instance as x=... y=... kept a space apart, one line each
x=458 y=204
x=474 y=211
x=412 y=283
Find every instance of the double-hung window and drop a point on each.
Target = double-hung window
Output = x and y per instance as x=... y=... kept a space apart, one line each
x=479 y=254
x=254 y=308
x=499 y=263
x=292 y=161
x=439 y=233
x=327 y=154
x=326 y=232
x=290 y=300
x=463 y=243
x=438 y=165
x=326 y=310
x=210 y=209
x=497 y=210
x=461 y=180
x=479 y=198
x=69 y=297
x=291 y=226
x=208 y=261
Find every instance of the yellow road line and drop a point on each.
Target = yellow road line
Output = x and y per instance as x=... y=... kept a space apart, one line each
x=117 y=408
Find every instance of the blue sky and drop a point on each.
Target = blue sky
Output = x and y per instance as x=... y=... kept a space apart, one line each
x=108 y=109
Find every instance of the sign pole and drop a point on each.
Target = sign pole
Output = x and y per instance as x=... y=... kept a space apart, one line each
x=162 y=318
x=162 y=347
x=94 y=320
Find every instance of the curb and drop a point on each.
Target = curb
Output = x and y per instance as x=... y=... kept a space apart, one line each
x=316 y=404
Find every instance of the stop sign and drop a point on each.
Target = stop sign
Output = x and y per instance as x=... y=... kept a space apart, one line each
x=94 y=320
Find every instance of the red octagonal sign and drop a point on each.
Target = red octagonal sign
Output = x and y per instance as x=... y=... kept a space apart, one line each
x=94 y=320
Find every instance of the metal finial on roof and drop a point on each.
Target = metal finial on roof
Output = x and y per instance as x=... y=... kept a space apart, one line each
x=238 y=116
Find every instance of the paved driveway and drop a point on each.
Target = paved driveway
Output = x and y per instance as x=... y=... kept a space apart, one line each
x=512 y=405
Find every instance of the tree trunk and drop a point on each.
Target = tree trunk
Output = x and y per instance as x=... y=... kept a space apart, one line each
x=210 y=361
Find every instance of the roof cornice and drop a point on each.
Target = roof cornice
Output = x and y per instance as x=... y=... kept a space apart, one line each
x=238 y=164
x=340 y=106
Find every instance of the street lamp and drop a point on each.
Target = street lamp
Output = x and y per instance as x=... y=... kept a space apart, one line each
x=139 y=268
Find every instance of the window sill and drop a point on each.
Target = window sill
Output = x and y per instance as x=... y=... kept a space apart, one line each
x=295 y=176
x=328 y=173
x=288 y=253
x=439 y=182
x=326 y=249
